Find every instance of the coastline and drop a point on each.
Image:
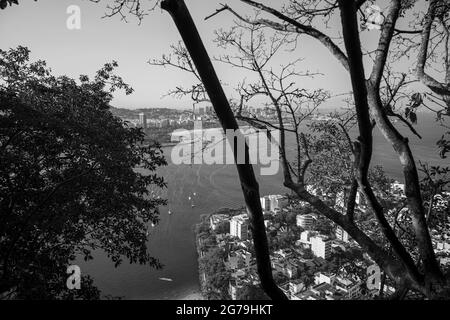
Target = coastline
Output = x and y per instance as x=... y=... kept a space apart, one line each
x=189 y=294
x=193 y=296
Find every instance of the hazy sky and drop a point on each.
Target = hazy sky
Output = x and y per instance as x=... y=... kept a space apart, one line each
x=41 y=26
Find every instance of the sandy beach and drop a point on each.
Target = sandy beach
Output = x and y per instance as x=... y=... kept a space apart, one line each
x=193 y=296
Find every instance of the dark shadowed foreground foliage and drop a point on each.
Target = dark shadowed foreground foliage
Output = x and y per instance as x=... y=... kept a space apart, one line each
x=68 y=178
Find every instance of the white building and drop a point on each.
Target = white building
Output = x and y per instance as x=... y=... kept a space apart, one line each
x=398 y=188
x=239 y=226
x=324 y=277
x=341 y=234
x=143 y=120
x=313 y=190
x=305 y=221
x=351 y=288
x=305 y=237
x=443 y=246
x=277 y=202
x=290 y=270
x=234 y=288
x=321 y=246
x=296 y=286
x=216 y=219
x=342 y=199
x=265 y=203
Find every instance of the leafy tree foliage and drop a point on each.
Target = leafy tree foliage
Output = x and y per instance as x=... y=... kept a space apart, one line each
x=69 y=182
x=217 y=277
x=5 y=3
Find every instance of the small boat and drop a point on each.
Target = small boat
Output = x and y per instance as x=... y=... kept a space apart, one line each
x=169 y=212
x=195 y=194
x=189 y=198
x=193 y=205
x=153 y=224
x=166 y=279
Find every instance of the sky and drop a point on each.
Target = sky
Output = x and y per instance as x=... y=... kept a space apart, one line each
x=41 y=26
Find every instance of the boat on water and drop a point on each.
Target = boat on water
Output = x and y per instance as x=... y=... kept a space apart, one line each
x=169 y=212
x=153 y=224
x=193 y=205
x=189 y=198
x=166 y=279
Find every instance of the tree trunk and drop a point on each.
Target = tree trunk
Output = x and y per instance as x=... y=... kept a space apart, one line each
x=188 y=31
x=412 y=186
x=364 y=151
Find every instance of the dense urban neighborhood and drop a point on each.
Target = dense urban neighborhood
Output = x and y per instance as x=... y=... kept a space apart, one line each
x=311 y=258
x=159 y=124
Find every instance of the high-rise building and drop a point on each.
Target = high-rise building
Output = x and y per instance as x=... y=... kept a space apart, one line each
x=277 y=202
x=216 y=219
x=305 y=236
x=239 y=226
x=342 y=198
x=322 y=277
x=265 y=203
x=143 y=120
x=341 y=234
x=305 y=221
x=321 y=246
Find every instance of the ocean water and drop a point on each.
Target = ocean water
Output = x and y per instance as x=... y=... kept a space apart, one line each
x=211 y=187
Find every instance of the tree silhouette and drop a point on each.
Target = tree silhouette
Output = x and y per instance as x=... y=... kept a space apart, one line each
x=68 y=178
